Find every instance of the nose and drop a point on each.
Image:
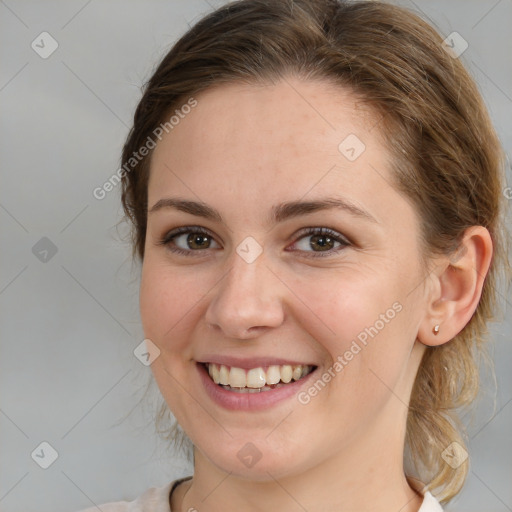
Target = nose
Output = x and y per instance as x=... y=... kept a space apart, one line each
x=247 y=301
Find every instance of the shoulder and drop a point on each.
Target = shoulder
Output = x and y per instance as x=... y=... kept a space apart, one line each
x=430 y=504
x=154 y=499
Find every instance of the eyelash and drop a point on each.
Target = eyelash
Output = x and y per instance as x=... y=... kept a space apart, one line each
x=337 y=237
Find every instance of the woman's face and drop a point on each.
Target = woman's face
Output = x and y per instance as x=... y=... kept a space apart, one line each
x=259 y=171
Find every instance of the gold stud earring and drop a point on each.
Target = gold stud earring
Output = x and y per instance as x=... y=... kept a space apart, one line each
x=435 y=330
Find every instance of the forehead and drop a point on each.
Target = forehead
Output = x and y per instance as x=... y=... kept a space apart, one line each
x=279 y=142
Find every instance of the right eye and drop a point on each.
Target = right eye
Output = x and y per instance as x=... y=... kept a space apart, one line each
x=187 y=240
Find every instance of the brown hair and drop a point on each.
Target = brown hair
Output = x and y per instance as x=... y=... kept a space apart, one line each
x=447 y=157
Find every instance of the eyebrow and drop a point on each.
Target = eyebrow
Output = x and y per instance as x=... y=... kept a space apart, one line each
x=279 y=212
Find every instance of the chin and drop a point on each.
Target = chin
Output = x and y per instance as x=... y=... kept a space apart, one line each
x=256 y=459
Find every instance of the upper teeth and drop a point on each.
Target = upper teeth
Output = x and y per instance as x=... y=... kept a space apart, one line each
x=256 y=377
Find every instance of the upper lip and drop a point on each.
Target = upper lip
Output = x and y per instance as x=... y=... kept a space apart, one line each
x=252 y=362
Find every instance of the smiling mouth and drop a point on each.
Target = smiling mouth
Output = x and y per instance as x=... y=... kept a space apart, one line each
x=256 y=380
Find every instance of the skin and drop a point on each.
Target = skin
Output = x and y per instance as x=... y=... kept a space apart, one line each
x=242 y=150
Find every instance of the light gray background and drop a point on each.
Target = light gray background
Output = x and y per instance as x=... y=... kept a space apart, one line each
x=70 y=325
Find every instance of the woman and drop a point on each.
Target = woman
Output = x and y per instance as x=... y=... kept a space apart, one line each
x=315 y=193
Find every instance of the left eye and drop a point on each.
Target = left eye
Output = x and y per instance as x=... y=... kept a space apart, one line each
x=321 y=240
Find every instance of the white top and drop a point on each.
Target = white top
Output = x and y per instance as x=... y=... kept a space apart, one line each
x=156 y=499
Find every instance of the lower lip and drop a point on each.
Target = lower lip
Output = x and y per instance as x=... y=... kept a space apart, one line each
x=249 y=401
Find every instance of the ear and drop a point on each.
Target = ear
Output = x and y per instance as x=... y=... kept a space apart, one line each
x=455 y=287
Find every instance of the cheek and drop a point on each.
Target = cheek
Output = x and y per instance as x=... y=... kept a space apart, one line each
x=169 y=306
x=363 y=324
x=168 y=300
x=348 y=306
